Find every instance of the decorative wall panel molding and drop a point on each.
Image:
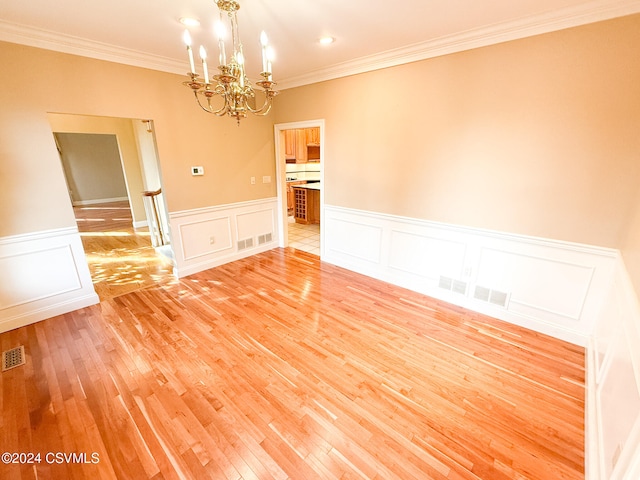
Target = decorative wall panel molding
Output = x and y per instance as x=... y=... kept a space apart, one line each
x=537 y=283
x=207 y=237
x=438 y=256
x=553 y=287
x=357 y=239
x=613 y=385
x=46 y=275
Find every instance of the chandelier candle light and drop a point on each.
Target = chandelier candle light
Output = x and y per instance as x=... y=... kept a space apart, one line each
x=231 y=83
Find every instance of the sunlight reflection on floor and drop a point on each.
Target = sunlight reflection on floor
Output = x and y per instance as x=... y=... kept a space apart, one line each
x=120 y=258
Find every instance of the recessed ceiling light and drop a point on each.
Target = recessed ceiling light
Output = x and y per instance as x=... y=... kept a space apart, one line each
x=190 y=22
x=326 y=40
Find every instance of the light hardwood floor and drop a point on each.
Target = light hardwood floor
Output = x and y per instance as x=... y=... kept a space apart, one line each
x=120 y=258
x=279 y=366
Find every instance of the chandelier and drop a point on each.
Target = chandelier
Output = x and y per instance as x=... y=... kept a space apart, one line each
x=231 y=84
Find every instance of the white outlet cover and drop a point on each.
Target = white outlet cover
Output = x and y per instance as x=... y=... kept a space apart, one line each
x=197 y=170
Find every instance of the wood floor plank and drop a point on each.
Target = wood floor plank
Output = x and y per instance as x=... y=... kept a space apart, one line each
x=282 y=367
x=120 y=258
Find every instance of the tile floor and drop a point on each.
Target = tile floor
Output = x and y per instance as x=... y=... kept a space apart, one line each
x=304 y=237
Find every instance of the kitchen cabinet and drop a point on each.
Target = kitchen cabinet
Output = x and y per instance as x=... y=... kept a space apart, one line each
x=291 y=198
x=290 y=146
x=307 y=205
x=302 y=145
x=313 y=136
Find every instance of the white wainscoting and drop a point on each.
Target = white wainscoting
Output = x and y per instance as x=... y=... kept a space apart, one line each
x=556 y=288
x=44 y=274
x=613 y=385
x=207 y=237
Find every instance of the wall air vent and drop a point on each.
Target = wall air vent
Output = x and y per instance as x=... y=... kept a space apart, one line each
x=491 y=296
x=456 y=286
x=482 y=293
x=459 y=287
x=498 y=298
x=266 y=238
x=246 y=243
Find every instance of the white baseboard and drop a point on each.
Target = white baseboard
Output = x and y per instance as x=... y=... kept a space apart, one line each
x=48 y=311
x=548 y=286
x=82 y=203
x=205 y=264
x=208 y=237
x=140 y=224
x=46 y=275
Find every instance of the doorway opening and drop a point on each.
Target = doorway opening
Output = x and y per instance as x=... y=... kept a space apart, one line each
x=300 y=171
x=114 y=183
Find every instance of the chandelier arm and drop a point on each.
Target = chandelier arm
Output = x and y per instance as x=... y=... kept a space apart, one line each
x=209 y=108
x=265 y=108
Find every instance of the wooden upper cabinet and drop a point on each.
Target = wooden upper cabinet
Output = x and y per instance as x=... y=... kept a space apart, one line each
x=313 y=144
x=313 y=136
x=290 y=145
x=301 y=146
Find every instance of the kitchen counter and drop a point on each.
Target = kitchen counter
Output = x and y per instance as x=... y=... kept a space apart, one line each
x=308 y=186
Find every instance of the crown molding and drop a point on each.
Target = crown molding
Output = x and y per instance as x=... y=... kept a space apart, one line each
x=48 y=40
x=590 y=12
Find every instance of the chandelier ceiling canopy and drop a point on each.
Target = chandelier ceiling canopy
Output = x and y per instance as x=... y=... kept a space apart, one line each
x=237 y=95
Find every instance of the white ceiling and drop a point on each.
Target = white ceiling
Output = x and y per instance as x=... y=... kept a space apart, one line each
x=369 y=34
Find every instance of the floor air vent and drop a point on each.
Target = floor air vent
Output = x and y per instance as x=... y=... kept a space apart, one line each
x=13 y=358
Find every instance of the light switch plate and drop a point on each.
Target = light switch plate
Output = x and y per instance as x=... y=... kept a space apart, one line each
x=197 y=171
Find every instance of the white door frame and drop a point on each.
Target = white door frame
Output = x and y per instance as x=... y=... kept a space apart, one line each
x=283 y=228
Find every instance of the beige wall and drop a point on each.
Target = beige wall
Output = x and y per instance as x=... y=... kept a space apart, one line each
x=539 y=136
x=92 y=166
x=34 y=82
